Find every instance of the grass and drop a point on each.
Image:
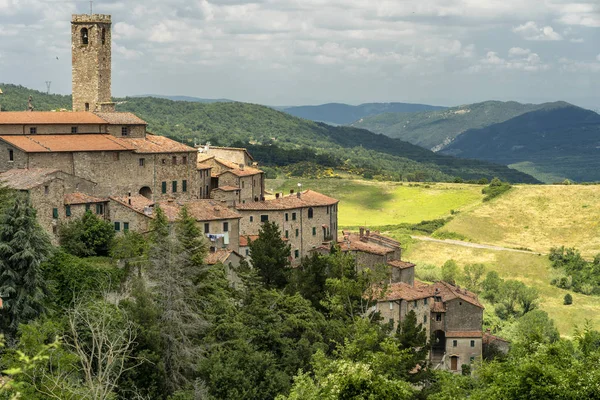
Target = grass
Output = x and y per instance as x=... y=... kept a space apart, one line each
x=373 y=203
x=531 y=269
x=537 y=218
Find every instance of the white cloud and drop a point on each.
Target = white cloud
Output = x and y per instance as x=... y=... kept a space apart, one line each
x=519 y=60
x=570 y=65
x=531 y=31
x=517 y=51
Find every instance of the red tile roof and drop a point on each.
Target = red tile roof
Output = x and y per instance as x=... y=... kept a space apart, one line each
x=308 y=198
x=66 y=143
x=227 y=188
x=219 y=256
x=404 y=291
x=49 y=118
x=157 y=144
x=240 y=149
x=488 y=338
x=400 y=264
x=353 y=242
x=244 y=239
x=464 y=334
x=82 y=198
x=121 y=118
x=235 y=168
x=450 y=292
x=25 y=179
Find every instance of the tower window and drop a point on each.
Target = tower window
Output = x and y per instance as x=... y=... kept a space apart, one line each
x=84 y=36
x=33 y=130
x=124 y=131
x=73 y=129
x=11 y=155
x=103 y=36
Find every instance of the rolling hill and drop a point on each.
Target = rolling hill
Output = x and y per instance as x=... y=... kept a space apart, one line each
x=343 y=114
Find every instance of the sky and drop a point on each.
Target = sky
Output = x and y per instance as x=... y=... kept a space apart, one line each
x=293 y=52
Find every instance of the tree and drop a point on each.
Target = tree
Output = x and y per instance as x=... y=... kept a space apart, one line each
x=491 y=286
x=534 y=328
x=24 y=246
x=412 y=336
x=87 y=236
x=310 y=278
x=450 y=272
x=271 y=256
x=472 y=276
x=568 y=300
x=513 y=293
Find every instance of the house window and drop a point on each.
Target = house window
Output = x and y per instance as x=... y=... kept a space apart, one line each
x=99 y=209
x=391 y=305
x=287 y=234
x=184 y=185
x=471 y=359
x=68 y=211
x=287 y=217
x=251 y=218
x=314 y=231
x=293 y=216
x=242 y=184
x=297 y=232
x=310 y=213
x=87 y=106
x=415 y=303
x=164 y=187
x=73 y=129
x=124 y=131
x=454 y=343
x=174 y=185
x=247 y=252
x=87 y=207
x=33 y=130
x=206 y=227
x=225 y=226
x=11 y=155
x=103 y=36
x=472 y=343
x=142 y=162
x=125 y=226
x=296 y=253
x=184 y=160
x=425 y=301
x=264 y=218
x=164 y=161
x=174 y=160
x=438 y=317
x=117 y=226
x=424 y=319
x=46 y=189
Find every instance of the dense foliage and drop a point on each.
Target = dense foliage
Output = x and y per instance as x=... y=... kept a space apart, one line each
x=577 y=274
x=495 y=189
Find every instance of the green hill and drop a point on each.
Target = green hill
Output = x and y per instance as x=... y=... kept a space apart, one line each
x=278 y=139
x=342 y=114
x=435 y=129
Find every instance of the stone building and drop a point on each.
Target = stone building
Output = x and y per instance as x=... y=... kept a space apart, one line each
x=306 y=219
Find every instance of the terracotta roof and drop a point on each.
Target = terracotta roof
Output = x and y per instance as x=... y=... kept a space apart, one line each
x=137 y=203
x=49 y=118
x=244 y=242
x=464 y=334
x=489 y=338
x=121 y=118
x=227 y=188
x=82 y=198
x=450 y=292
x=236 y=170
x=308 y=198
x=157 y=144
x=404 y=291
x=241 y=149
x=203 y=157
x=219 y=256
x=201 y=210
x=25 y=179
x=400 y=264
x=66 y=143
x=353 y=242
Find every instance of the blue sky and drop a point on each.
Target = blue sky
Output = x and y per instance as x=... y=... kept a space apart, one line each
x=277 y=52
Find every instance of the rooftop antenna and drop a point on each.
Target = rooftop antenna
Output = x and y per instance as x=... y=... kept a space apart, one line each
x=48 y=83
x=91 y=6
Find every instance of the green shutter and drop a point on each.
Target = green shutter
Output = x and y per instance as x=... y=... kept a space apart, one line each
x=68 y=211
x=164 y=187
x=117 y=226
x=174 y=186
x=98 y=208
x=184 y=185
x=125 y=226
x=55 y=213
x=87 y=207
x=314 y=231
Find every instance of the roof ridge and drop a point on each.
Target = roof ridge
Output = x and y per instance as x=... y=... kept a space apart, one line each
x=36 y=142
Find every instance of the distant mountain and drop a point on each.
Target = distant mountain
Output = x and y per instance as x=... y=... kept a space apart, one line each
x=185 y=98
x=343 y=114
x=554 y=142
x=436 y=129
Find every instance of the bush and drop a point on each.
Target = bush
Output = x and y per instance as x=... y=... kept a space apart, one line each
x=87 y=236
x=568 y=299
x=495 y=189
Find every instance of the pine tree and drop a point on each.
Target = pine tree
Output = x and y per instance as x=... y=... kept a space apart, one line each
x=412 y=336
x=24 y=246
x=271 y=256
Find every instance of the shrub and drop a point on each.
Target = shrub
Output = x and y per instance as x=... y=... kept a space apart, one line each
x=87 y=236
x=495 y=189
x=568 y=299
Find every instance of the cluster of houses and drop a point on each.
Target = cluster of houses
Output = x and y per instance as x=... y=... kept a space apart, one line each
x=106 y=162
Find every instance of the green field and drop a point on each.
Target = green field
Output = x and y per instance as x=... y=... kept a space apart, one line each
x=537 y=218
x=533 y=270
x=373 y=204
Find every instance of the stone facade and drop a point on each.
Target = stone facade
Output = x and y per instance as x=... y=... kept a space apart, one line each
x=91 y=41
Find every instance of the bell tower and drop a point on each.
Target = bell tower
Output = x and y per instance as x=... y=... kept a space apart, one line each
x=91 y=62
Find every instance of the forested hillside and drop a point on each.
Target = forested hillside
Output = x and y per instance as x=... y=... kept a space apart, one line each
x=342 y=114
x=276 y=133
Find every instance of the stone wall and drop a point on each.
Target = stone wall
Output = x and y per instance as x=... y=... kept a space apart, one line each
x=204 y=183
x=406 y=275
x=118 y=212
x=19 y=157
x=233 y=155
x=463 y=316
x=50 y=129
x=133 y=131
x=45 y=198
x=166 y=171
x=217 y=227
x=463 y=350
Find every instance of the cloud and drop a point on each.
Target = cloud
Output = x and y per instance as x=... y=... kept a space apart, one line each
x=531 y=31
x=519 y=60
x=517 y=51
x=569 y=65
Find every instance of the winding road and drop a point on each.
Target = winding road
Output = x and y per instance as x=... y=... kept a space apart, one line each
x=473 y=245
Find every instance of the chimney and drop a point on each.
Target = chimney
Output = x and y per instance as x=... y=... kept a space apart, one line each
x=276 y=195
x=298 y=194
x=362 y=232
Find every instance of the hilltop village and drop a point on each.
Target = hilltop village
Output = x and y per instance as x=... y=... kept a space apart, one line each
x=95 y=159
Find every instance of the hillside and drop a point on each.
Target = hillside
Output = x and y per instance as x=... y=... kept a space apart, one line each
x=186 y=98
x=342 y=114
x=554 y=142
x=270 y=131
x=435 y=129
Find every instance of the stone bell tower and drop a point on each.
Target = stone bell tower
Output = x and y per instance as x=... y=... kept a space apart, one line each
x=91 y=62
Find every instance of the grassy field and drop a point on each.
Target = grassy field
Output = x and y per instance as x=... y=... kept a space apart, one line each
x=532 y=269
x=537 y=218
x=374 y=204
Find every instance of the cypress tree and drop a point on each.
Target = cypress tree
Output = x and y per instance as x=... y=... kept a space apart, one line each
x=271 y=256
x=24 y=246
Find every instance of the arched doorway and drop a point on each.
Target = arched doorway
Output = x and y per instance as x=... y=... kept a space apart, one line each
x=146 y=192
